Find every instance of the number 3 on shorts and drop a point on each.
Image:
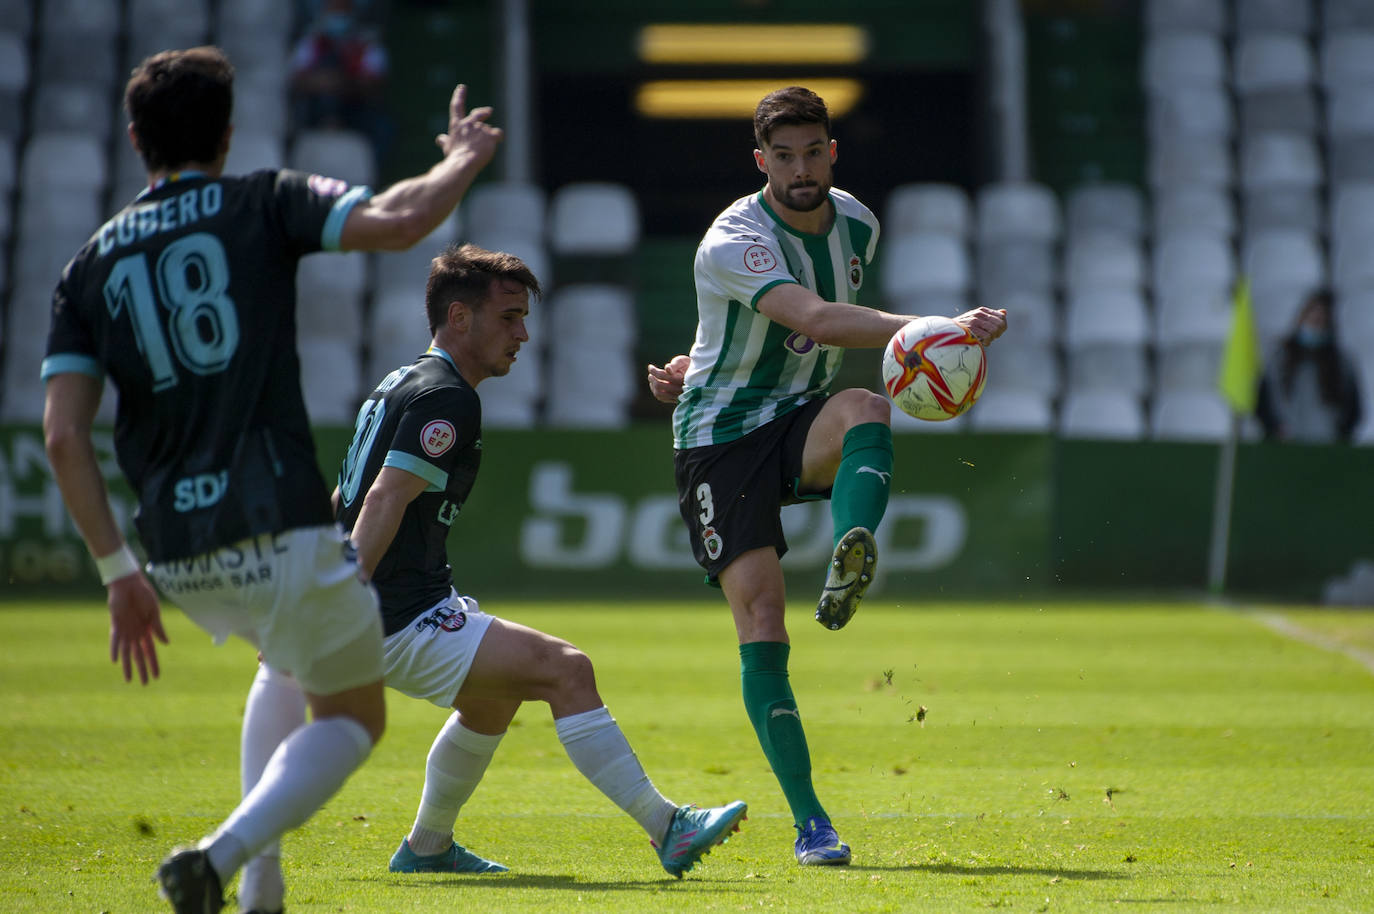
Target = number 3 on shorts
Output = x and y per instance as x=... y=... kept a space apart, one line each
x=708 y=508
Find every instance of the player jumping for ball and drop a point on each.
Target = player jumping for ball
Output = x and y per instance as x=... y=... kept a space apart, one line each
x=777 y=277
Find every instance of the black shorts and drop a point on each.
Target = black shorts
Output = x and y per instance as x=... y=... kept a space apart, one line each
x=730 y=494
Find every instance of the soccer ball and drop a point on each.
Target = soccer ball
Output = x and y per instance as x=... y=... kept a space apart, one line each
x=934 y=369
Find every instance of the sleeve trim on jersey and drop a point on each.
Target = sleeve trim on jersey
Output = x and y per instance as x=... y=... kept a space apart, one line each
x=754 y=302
x=333 y=226
x=431 y=474
x=70 y=363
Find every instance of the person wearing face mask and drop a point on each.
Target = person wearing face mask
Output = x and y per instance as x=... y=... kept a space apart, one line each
x=338 y=70
x=1309 y=391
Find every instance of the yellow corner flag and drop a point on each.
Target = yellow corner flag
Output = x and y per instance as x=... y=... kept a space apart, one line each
x=1240 y=360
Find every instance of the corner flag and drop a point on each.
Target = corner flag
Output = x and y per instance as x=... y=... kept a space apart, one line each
x=1240 y=360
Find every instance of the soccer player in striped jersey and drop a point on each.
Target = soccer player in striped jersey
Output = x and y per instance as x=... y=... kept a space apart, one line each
x=756 y=426
x=186 y=300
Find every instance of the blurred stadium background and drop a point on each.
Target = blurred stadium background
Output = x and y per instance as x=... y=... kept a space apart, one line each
x=1104 y=169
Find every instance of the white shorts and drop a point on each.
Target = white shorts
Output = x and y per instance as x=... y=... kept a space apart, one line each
x=430 y=657
x=295 y=595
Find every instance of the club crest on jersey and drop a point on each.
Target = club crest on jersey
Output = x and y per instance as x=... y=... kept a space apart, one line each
x=437 y=437
x=326 y=187
x=759 y=259
x=713 y=543
x=856 y=272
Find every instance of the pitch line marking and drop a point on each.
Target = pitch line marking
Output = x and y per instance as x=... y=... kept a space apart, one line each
x=1290 y=629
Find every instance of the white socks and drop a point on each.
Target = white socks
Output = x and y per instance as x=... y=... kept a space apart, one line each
x=600 y=751
x=456 y=763
x=306 y=770
x=275 y=708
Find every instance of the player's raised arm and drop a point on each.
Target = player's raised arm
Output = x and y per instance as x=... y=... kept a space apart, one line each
x=409 y=210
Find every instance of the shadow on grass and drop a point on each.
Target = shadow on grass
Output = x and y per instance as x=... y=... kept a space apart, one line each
x=956 y=869
x=508 y=881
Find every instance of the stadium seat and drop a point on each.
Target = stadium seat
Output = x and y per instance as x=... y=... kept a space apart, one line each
x=1102 y=414
x=72 y=107
x=1267 y=208
x=407 y=271
x=1352 y=212
x=330 y=378
x=1033 y=316
x=1174 y=59
x=39 y=257
x=1189 y=415
x=531 y=250
x=9 y=168
x=1347 y=59
x=1012 y=264
x=14 y=82
x=1105 y=340
x=1102 y=260
x=1192 y=259
x=271 y=16
x=343 y=154
x=1350 y=158
x=585 y=394
x=17 y=16
x=66 y=159
x=926 y=262
x=1293 y=16
x=396 y=331
x=250 y=151
x=184 y=16
x=1272 y=60
x=1355 y=321
x=1017 y=210
x=1199 y=160
x=261 y=56
x=1352 y=267
x=1190 y=111
x=1342 y=15
x=330 y=288
x=1185 y=15
x=145 y=42
x=592 y=318
x=1106 y=207
x=1188 y=207
x=1350 y=111
x=1293 y=110
x=1276 y=307
x=1282 y=257
x=1280 y=159
x=1025 y=365
x=917 y=208
x=73 y=212
x=506 y=207
x=95 y=15
x=1189 y=365
x=1192 y=315
x=593 y=218
x=80 y=54
x=1010 y=410
x=948 y=304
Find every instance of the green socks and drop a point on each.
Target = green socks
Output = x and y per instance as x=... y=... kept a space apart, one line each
x=773 y=712
x=862 y=483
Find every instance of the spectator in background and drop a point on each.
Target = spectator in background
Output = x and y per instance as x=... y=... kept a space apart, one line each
x=338 y=71
x=1309 y=391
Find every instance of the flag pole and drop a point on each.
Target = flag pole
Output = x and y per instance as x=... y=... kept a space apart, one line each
x=1221 y=509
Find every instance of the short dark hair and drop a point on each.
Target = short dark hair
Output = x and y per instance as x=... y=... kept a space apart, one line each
x=788 y=108
x=180 y=103
x=465 y=273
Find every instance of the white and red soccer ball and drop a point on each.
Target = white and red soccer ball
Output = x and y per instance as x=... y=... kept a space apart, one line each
x=934 y=369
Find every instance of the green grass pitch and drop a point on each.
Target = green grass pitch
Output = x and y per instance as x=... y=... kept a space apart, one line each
x=1033 y=757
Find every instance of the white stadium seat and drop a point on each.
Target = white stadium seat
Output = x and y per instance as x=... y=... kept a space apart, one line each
x=1017 y=210
x=1185 y=15
x=1341 y=15
x=1192 y=314
x=506 y=206
x=1182 y=58
x=343 y=154
x=1102 y=414
x=1199 y=159
x=1277 y=15
x=1010 y=410
x=1106 y=207
x=923 y=263
x=1192 y=259
x=1189 y=415
x=1347 y=59
x=913 y=208
x=1280 y=159
x=1272 y=60
x=1100 y=259
x=1193 y=207
x=595 y=218
x=1266 y=208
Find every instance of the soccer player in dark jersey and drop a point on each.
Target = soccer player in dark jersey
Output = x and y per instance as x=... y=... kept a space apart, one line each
x=412 y=463
x=186 y=300
x=756 y=427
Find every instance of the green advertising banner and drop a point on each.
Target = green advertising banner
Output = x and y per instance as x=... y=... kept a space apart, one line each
x=594 y=513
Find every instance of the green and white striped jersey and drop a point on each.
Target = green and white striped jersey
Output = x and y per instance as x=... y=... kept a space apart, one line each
x=747 y=369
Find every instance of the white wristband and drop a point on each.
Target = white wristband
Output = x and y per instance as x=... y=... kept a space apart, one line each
x=118 y=564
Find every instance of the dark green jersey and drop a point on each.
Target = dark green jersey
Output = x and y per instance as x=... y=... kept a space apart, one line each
x=424 y=419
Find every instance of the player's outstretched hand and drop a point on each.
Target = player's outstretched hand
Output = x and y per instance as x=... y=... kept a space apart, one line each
x=468 y=129
x=135 y=621
x=666 y=383
x=985 y=323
